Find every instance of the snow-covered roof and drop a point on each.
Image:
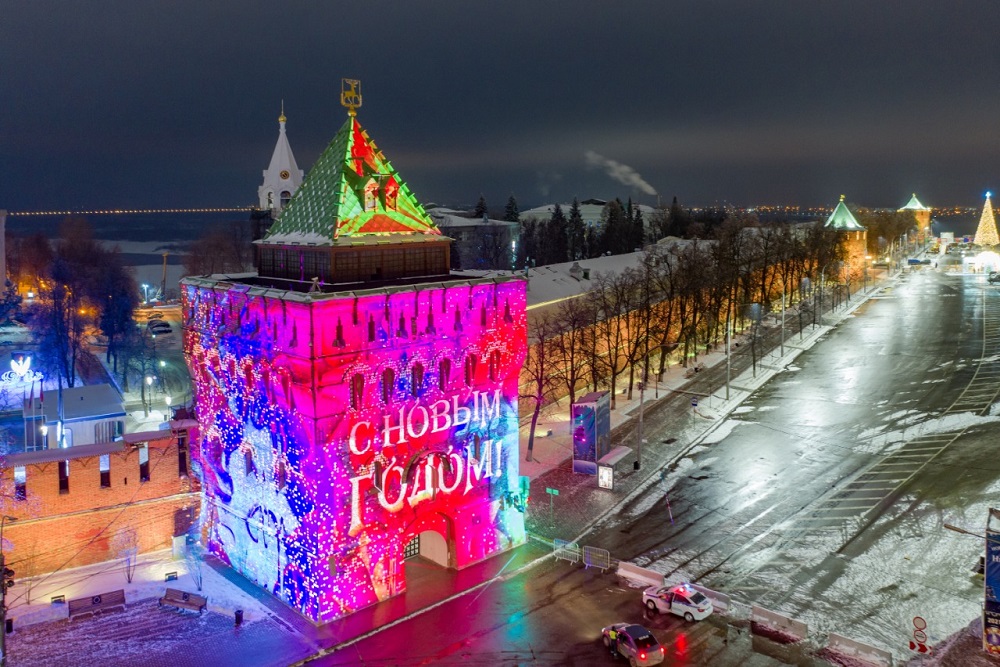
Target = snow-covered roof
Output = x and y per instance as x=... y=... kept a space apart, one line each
x=591 y=213
x=96 y=401
x=448 y=218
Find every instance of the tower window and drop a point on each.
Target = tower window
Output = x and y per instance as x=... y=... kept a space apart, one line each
x=20 y=483
x=182 y=461
x=388 y=383
x=494 y=364
x=444 y=374
x=416 y=378
x=470 y=370
x=370 y=189
x=286 y=197
x=357 y=390
x=64 y=477
x=105 y=466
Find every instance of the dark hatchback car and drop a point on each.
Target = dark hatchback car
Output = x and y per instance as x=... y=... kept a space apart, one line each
x=634 y=643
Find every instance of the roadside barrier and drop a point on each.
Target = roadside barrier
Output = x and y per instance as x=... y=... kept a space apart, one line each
x=720 y=601
x=772 y=620
x=864 y=652
x=595 y=557
x=566 y=550
x=632 y=572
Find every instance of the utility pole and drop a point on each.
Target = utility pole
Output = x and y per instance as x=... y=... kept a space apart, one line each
x=163 y=284
x=782 y=319
x=642 y=390
x=729 y=334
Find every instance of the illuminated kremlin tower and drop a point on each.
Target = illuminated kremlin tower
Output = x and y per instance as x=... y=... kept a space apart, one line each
x=922 y=215
x=853 y=236
x=358 y=400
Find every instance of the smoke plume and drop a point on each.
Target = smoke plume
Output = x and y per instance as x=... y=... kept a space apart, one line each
x=622 y=173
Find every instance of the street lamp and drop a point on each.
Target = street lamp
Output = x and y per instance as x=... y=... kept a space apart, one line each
x=145 y=293
x=147 y=399
x=6 y=583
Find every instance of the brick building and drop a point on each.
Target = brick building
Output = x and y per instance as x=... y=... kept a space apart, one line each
x=71 y=503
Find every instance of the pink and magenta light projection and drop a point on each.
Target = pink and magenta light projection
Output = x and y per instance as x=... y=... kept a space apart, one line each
x=336 y=429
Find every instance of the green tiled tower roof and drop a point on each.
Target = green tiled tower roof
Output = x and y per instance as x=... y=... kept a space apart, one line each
x=842 y=218
x=352 y=191
x=914 y=205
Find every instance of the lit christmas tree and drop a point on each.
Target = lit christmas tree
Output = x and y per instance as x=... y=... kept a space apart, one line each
x=986 y=233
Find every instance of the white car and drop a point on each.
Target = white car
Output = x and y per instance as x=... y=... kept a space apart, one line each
x=682 y=600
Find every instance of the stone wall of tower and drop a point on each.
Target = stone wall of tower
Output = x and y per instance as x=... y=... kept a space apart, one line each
x=338 y=427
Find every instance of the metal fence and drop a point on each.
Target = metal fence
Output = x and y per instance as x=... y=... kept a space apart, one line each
x=595 y=557
x=564 y=550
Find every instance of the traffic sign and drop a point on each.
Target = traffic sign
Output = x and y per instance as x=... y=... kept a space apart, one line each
x=694 y=402
x=551 y=491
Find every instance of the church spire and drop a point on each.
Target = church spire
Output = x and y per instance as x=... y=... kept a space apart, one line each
x=282 y=176
x=986 y=233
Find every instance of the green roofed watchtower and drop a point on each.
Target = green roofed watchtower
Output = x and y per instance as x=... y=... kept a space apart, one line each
x=353 y=220
x=842 y=219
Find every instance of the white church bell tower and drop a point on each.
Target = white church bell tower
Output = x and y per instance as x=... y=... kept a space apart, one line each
x=283 y=176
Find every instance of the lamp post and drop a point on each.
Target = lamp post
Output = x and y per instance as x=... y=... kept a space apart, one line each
x=145 y=293
x=6 y=583
x=642 y=389
x=148 y=398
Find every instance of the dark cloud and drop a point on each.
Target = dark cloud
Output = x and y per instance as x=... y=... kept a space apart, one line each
x=150 y=104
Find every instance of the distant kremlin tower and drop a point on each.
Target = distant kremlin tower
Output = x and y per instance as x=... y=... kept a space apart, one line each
x=358 y=401
x=922 y=215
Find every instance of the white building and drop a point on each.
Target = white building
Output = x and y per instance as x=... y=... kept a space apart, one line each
x=590 y=211
x=89 y=415
x=283 y=176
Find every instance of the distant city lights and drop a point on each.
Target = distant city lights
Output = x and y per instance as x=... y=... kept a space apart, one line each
x=133 y=211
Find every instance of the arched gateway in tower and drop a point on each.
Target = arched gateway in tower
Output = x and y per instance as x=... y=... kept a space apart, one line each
x=355 y=394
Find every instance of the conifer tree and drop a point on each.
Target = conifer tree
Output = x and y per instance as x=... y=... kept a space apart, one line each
x=638 y=229
x=679 y=220
x=575 y=232
x=511 y=212
x=615 y=236
x=480 y=211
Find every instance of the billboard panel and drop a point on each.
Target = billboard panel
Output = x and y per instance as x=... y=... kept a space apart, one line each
x=591 y=431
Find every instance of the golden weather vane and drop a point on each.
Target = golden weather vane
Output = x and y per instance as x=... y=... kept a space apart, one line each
x=350 y=95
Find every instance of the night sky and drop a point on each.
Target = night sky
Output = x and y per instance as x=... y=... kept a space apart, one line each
x=143 y=104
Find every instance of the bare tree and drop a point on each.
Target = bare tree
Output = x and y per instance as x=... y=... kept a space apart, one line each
x=614 y=296
x=194 y=557
x=125 y=545
x=538 y=371
x=575 y=318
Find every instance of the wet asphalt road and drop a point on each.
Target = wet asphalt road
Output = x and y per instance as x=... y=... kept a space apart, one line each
x=822 y=497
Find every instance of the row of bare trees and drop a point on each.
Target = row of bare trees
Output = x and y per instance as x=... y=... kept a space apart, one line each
x=681 y=298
